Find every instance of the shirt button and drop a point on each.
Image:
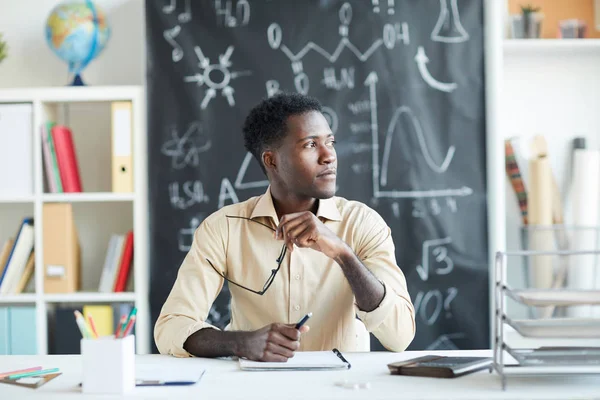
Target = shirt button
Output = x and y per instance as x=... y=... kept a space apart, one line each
x=297 y=277
x=296 y=307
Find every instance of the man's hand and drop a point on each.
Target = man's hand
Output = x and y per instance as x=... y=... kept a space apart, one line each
x=275 y=342
x=304 y=229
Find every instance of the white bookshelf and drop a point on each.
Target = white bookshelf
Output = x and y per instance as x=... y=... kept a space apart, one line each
x=570 y=45
x=98 y=211
x=551 y=87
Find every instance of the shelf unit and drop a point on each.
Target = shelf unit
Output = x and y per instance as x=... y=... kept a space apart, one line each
x=47 y=104
x=566 y=357
x=552 y=44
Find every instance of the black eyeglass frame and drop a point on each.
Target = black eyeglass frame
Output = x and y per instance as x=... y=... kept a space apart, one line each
x=274 y=271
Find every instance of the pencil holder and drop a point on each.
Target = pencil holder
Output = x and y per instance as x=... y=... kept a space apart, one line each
x=108 y=365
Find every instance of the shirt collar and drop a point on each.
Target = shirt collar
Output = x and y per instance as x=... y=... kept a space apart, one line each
x=265 y=208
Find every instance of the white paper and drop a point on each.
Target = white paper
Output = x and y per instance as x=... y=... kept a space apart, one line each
x=301 y=360
x=585 y=199
x=152 y=373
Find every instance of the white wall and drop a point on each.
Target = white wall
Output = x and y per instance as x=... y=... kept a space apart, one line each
x=30 y=61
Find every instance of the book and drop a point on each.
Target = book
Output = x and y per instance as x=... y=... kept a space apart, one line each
x=302 y=361
x=440 y=366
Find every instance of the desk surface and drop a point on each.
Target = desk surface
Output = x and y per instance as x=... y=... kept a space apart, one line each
x=224 y=379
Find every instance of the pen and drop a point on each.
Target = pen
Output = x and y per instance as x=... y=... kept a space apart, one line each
x=129 y=326
x=119 y=325
x=131 y=314
x=303 y=320
x=33 y=373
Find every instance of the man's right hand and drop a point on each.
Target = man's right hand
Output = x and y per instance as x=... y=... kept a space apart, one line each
x=274 y=342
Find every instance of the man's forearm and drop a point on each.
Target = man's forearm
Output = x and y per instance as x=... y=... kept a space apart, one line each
x=367 y=289
x=208 y=342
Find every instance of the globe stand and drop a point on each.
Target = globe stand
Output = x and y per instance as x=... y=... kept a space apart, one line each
x=77 y=81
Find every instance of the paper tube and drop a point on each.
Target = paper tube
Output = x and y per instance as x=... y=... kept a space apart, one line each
x=585 y=197
x=541 y=236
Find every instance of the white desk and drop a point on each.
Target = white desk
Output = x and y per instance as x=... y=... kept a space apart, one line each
x=224 y=380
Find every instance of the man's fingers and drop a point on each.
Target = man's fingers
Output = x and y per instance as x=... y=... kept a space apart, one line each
x=289 y=221
x=276 y=348
x=301 y=235
x=271 y=357
x=284 y=341
x=304 y=328
x=288 y=331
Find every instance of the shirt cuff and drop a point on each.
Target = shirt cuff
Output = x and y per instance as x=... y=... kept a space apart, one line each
x=178 y=350
x=372 y=319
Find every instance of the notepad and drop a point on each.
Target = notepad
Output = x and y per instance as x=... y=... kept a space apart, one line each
x=302 y=361
x=151 y=376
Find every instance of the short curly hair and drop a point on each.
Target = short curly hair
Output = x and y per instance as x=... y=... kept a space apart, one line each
x=266 y=124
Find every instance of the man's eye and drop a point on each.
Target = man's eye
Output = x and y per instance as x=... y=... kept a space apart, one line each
x=332 y=142
x=310 y=144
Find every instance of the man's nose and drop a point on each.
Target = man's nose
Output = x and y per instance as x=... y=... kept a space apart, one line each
x=328 y=155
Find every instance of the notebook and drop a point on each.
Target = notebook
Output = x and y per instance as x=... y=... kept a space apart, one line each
x=440 y=366
x=302 y=361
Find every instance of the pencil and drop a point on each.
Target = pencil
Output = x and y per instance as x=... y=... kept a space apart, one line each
x=92 y=325
x=19 y=371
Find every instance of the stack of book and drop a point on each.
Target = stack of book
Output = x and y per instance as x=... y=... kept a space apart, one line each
x=60 y=159
x=17 y=260
x=117 y=264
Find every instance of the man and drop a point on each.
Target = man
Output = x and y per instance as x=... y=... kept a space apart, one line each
x=336 y=257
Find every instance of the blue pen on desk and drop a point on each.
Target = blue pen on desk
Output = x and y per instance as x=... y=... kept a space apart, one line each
x=303 y=320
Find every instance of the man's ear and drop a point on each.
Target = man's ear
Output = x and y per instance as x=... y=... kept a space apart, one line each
x=268 y=159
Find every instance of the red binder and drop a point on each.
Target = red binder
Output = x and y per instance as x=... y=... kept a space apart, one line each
x=67 y=159
x=125 y=264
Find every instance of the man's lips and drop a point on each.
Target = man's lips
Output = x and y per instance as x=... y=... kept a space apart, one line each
x=328 y=173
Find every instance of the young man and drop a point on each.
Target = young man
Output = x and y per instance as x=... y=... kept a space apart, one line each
x=336 y=257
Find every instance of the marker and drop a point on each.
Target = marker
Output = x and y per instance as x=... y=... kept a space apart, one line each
x=33 y=373
x=303 y=320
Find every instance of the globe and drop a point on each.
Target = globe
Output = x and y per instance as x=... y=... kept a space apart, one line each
x=77 y=32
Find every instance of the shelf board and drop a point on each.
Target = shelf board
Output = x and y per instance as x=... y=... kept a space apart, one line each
x=575 y=45
x=17 y=298
x=17 y=199
x=67 y=94
x=89 y=297
x=86 y=197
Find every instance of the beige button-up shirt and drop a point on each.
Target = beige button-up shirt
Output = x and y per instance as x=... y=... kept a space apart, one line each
x=308 y=281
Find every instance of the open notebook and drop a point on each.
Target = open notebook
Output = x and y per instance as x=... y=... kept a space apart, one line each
x=302 y=361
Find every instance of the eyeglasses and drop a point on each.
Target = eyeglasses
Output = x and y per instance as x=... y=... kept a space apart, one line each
x=274 y=272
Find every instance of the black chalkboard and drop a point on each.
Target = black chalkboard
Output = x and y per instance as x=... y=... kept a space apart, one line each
x=403 y=88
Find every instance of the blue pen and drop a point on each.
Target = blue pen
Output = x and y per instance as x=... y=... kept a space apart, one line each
x=303 y=320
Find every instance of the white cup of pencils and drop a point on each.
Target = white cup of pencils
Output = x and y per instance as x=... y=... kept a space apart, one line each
x=108 y=361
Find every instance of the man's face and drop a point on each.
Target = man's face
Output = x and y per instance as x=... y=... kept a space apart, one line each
x=306 y=159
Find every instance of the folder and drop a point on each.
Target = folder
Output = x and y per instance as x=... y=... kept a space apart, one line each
x=4 y=332
x=16 y=149
x=64 y=336
x=103 y=318
x=66 y=157
x=23 y=330
x=61 y=257
x=122 y=137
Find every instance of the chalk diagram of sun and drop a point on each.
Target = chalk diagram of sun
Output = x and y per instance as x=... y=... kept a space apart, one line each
x=216 y=77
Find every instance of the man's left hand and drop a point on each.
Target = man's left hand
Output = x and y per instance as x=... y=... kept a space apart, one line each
x=304 y=229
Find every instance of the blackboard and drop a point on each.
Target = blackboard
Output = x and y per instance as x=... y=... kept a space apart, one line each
x=402 y=83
